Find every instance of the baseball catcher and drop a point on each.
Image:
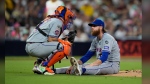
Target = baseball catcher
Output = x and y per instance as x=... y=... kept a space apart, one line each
x=44 y=42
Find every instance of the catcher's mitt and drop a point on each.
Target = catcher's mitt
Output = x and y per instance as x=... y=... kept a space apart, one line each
x=71 y=36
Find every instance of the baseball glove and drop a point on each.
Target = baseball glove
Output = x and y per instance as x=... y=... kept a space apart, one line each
x=71 y=36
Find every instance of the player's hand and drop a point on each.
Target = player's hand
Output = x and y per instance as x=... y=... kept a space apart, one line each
x=68 y=71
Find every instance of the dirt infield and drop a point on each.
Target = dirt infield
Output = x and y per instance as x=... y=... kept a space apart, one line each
x=128 y=73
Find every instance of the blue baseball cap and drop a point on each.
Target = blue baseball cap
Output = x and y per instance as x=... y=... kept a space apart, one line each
x=97 y=22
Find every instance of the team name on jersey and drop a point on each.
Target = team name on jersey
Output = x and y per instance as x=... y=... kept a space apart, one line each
x=98 y=49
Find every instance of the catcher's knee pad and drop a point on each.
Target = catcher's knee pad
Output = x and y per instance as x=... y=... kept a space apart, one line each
x=66 y=46
x=57 y=55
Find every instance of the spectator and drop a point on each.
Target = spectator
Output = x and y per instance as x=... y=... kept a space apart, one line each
x=25 y=33
x=15 y=34
x=109 y=26
x=87 y=9
x=127 y=13
x=120 y=34
x=81 y=36
x=51 y=5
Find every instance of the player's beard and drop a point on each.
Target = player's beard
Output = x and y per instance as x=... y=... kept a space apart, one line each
x=95 y=32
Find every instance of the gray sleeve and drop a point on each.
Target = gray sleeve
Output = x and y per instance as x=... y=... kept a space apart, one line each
x=107 y=45
x=55 y=30
x=93 y=45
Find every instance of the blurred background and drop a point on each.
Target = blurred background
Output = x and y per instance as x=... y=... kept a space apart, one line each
x=123 y=18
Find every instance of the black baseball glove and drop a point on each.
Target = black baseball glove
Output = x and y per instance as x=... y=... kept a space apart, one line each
x=71 y=36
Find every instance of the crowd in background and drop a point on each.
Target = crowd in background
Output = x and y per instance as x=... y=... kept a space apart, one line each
x=123 y=18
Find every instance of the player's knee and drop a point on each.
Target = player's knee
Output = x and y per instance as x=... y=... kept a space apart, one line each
x=65 y=47
x=59 y=46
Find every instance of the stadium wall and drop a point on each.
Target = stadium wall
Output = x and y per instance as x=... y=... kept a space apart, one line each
x=127 y=48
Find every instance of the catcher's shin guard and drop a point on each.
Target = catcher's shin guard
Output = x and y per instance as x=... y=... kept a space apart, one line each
x=52 y=59
x=59 y=54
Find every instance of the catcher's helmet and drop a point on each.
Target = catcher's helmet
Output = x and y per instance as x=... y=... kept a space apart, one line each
x=66 y=14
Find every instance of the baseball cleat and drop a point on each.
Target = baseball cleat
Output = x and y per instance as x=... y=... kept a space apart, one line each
x=48 y=71
x=76 y=66
x=36 y=70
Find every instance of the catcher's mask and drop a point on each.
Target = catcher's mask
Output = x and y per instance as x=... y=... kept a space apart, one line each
x=67 y=15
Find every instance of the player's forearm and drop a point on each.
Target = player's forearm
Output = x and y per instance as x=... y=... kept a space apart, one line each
x=50 y=39
x=87 y=56
x=96 y=63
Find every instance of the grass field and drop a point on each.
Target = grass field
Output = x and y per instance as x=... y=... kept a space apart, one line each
x=18 y=70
